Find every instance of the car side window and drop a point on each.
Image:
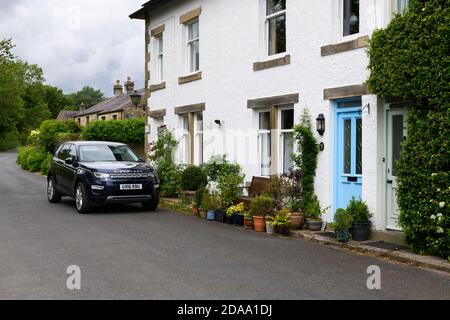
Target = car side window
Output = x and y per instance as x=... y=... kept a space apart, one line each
x=72 y=152
x=64 y=152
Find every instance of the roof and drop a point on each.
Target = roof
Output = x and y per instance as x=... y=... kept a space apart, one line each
x=95 y=143
x=146 y=7
x=67 y=115
x=114 y=104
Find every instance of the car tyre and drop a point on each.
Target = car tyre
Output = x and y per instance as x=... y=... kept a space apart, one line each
x=81 y=200
x=53 y=195
x=151 y=205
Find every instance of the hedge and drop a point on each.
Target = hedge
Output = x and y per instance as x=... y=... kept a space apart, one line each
x=50 y=131
x=410 y=60
x=124 y=131
x=34 y=159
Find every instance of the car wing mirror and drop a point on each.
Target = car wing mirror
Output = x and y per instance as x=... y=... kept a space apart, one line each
x=69 y=161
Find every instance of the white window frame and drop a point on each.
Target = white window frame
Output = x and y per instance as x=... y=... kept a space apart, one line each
x=199 y=136
x=262 y=132
x=283 y=132
x=189 y=42
x=340 y=29
x=267 y=18
x=159 y=41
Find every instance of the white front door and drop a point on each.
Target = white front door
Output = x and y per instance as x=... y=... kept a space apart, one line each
x=396 y=133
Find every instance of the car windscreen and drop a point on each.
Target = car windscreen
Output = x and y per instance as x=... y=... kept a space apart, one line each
x=107 y=153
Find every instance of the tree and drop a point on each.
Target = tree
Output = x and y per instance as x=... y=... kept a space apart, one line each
x=56 y=100
x=87 y=95
x=409 y=60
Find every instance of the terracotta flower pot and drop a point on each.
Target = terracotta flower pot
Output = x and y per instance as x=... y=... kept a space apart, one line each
x=297 y=220
x=260 y=223
x=248 y=223
x=195 y=212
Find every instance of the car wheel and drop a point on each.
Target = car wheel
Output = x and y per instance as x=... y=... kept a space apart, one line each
x=151 y=205
x=81 y=200
x=53 y=195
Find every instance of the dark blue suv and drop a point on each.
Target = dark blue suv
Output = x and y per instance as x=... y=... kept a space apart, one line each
x=97 y=173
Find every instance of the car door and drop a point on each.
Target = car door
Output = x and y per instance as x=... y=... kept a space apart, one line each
x=69 y=170
x=59 y=165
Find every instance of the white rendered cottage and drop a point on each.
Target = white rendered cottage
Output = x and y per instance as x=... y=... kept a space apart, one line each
x=232 y=77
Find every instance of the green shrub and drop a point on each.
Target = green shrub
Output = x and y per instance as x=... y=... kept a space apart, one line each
x=66 y=137
x=262 y=206
x=305 y=157
x=423 y=183
x=22 y=157
x=168 y=172
x=45 y=165
x=229 y=188
x=193 y=178
x=211 y=201
x=313 y=210
x=219 y=166
x=409 y=60
x=281 y=219
x=343 y=220
x=124 y=131
x=50 y=129
x=359 y=211
x=199 y=196
x=35 y=160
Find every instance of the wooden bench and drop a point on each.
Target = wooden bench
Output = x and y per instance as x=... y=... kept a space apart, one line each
x=255 y=189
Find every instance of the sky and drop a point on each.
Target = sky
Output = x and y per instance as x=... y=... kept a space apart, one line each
x=77 y=42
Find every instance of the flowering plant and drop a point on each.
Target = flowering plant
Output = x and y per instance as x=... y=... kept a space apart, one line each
x=237 y=209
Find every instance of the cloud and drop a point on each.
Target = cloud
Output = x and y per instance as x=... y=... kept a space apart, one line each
x=77 y=43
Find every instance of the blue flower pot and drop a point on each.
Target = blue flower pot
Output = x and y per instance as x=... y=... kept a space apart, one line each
x=211 y=215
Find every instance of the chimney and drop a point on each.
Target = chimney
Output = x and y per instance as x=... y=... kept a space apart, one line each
x=82 y=107
x=118 y=89
x=129 y=85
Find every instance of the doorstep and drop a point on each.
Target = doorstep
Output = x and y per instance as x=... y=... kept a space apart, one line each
x=390 y=250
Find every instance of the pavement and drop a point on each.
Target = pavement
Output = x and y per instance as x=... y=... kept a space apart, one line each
x=124 y=252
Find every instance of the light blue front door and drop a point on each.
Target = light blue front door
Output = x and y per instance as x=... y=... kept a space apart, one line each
x=348 y=153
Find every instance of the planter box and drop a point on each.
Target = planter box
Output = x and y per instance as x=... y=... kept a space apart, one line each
x=189 y=195
x=238 y=220
x=230 y=219
x=248 y=224
x=221 y=215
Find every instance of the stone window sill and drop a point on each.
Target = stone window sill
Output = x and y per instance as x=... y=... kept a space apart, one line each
x=277 y=62
x=190 y=78
x=159 y=86
x=357 y=43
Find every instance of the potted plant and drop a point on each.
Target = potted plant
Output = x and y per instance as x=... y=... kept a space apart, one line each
x=361 y=215
x=295 y=195
x=236 y=212
x=248 y=220
x=192 y=178
x=195 y=209
x=280 y=222
x=209 y=206
x=342 y=224
x=229 y=189
x=313 y=213
x=260 y=207
x=198 y=200
x=297 y=216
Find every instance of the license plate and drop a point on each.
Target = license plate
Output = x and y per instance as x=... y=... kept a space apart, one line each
x=131 y=187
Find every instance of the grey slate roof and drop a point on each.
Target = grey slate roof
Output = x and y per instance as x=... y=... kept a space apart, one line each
x=146 y=7
x=113 y=104
x=67 y=115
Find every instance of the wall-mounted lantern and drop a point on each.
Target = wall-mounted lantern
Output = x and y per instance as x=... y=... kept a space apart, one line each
x=320 y=124
x=136 y=99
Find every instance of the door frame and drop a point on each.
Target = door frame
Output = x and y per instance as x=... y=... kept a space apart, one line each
x=388 y=107
x=336 y=112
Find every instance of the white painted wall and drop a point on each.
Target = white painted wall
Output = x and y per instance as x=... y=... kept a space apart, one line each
x=231 y=40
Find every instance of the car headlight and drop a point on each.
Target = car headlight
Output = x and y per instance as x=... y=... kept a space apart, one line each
x=101 y=175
